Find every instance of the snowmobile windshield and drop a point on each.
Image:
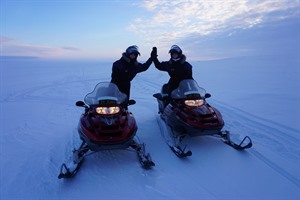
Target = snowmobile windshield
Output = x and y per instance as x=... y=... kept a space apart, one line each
x=105 y=93
x=188 y=89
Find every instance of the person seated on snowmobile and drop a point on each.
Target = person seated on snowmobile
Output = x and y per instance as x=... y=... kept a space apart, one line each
x=126 y=68
x=177 y=67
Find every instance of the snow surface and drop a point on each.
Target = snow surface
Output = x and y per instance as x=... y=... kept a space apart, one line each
x=258 y=97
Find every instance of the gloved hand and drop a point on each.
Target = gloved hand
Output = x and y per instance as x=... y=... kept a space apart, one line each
x=154 y=53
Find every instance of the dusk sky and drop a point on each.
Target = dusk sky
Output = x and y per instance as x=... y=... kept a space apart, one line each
x=97 y=29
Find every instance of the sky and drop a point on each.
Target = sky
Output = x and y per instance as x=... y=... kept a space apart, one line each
x=95 y=29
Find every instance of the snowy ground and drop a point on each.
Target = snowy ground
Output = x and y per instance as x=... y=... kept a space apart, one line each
x=258 y=96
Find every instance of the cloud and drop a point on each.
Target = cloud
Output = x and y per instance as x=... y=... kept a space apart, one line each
x=11 y=47
x=71 y=48
x=172 y=21
x=280 y=38
x=4 y=39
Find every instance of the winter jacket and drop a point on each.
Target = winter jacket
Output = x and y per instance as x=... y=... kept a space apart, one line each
x=178 y=70
x=124 y=70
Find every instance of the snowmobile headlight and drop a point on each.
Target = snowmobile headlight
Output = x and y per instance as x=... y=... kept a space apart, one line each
x=107 y=110
x=194 y=102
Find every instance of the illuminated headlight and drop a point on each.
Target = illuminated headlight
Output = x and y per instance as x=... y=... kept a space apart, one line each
x=107 y=110
x=194 y=103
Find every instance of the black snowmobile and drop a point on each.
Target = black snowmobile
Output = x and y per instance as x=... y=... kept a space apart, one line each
x=186 y=114
x=105 y=124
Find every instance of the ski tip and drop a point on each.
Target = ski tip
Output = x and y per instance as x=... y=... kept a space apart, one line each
x=148 y=165
x=189 y=153
x=61 y=176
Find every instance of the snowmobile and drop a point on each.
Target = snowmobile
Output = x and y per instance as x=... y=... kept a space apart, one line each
x=105 y=124
x=186 y=114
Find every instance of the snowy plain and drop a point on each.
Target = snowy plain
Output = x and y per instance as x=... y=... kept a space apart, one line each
x=257 y=96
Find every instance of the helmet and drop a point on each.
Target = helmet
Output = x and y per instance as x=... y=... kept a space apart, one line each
x=132 y=50
x=175 y=48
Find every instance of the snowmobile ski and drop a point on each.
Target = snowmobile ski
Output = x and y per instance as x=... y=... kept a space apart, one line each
x=70 y=169
x=177 y=143
x=144 y=158
x=244 y=144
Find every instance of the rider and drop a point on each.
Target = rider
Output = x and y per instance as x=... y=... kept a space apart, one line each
x=177 y=67
x=126 y=68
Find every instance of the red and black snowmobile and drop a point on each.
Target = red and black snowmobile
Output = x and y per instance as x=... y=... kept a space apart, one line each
x=186 y=114
x=105 y=124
